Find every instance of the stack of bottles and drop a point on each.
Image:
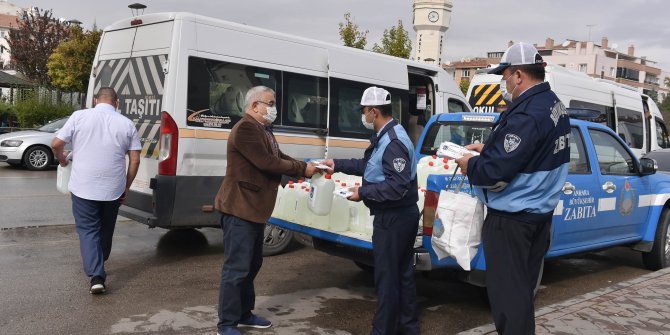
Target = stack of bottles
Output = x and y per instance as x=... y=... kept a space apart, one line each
x=313 y=204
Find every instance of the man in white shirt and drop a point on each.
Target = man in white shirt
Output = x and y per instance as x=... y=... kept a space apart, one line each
x=100 y=138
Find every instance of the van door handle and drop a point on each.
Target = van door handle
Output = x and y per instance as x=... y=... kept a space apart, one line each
x=609 y=187
x=568 y=188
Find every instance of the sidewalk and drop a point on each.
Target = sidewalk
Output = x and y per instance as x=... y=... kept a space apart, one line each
x=639 y=306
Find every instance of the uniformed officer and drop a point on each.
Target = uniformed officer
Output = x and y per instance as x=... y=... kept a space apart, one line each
x=390 y=191
x=519 y=175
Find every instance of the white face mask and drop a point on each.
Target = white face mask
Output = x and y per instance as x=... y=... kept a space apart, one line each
x=366 y=124
x=503 y=89
x=271 y=115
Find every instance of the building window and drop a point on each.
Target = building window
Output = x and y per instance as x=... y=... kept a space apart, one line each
x=561 y=65
x=630 y=74
x=582 y=68
x=466 y=73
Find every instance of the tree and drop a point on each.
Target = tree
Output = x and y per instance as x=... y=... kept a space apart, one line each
x=70 y=63
x=464 y=84
x=395 y=42
x=350 y=35
x=31 y=43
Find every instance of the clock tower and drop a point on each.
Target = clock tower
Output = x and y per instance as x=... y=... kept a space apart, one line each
x=431 y=20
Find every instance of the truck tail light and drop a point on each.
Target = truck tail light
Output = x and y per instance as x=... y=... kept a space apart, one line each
x=429 y=208
x=169 y=140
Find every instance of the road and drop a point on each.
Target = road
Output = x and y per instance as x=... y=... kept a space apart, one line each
x=166 y=282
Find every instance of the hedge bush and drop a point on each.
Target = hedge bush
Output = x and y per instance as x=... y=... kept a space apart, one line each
x=34 y=109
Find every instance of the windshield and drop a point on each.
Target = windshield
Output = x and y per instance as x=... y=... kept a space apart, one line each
x=53 y=126
x=462 y=133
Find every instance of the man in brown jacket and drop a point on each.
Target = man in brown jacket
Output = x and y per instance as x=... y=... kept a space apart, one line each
x=246 y=199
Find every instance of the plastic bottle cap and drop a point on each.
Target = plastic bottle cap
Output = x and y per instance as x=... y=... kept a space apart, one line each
x=446 y=166
x=445 y=159
x=328 y=176
x=431 y=163
x=357 y=184
x=300 y=180
x=434 y=156
x=344 y=184
x=291 y=186
x=290 y=182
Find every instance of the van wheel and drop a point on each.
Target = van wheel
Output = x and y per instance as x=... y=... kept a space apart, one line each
x=37 y=158
x=275 y=240
x=658 y=257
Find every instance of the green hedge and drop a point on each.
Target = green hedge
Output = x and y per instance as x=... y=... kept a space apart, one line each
x=34 y=110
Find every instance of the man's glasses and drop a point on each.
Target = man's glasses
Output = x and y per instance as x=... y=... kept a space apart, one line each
x=271 y=103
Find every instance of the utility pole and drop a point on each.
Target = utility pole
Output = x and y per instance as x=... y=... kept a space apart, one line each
x=590 y=26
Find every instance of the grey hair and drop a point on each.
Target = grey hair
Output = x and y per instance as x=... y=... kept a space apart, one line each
x=254 y=94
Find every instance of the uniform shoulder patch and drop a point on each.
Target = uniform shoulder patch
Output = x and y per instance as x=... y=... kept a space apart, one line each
x=399 y=164
x=512 y=142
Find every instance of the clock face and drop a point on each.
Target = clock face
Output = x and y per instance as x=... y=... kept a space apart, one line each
x=433 y=16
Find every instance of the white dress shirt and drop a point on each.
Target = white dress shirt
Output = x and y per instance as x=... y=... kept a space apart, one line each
x=100 y=138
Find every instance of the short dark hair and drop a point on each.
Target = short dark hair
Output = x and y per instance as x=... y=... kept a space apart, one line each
x=386 y=110
x=107 y=94
x=534 y=71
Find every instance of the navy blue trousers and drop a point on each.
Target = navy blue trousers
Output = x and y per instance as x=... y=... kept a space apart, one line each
x=95 y=222
x=514 y=251
x=393 y=248
x=242 y=259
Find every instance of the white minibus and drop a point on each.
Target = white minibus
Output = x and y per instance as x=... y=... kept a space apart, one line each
x=634 y=116
x=182 y=78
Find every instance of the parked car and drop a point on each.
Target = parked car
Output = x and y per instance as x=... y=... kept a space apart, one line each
x=662 y=158
x=31 y=148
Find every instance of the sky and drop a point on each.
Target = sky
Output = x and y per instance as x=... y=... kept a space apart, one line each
x=477 y=26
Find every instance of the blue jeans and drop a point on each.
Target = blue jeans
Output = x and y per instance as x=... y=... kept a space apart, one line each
x=242 y=259
x=95 y=221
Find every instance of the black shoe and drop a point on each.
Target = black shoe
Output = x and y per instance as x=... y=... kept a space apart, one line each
x=97 y=285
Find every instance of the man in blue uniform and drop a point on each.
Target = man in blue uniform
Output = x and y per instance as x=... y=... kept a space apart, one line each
x=519 y=175
x=389 y=189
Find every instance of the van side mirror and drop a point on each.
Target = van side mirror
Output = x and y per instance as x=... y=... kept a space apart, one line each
x=648 y=166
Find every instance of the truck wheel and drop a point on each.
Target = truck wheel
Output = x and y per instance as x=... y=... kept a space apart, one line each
x=275 y=240
x=37 y=158
x=658 y=257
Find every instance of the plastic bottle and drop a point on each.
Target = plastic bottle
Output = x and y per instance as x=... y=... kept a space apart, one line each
x=340 y=216
x=288 y=203
x=364 y=219
x=321 y=194
x=276 y=211
x=303 y=216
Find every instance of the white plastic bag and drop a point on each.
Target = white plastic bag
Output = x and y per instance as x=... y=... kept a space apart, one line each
x=457 y=230
x=63 y=176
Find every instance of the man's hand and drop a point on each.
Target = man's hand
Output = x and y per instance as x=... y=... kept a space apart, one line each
x=463 y=162
x=355 y=196
x=124 y=195
x=331 y=164
x=310 y=169
x=475 y=147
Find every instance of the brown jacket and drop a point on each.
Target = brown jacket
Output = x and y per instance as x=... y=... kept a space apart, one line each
x=249 y=189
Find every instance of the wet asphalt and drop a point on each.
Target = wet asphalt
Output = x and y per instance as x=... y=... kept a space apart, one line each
x=167 y=282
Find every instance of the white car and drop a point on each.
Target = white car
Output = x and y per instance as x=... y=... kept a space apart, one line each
x=31 y=148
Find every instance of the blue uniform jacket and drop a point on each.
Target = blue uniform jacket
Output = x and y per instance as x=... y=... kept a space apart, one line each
x=524 y=163
x=391 y=183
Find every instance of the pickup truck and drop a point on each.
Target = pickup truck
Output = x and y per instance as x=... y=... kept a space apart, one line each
x=610 y=199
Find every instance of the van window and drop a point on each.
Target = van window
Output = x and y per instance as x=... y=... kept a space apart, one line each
x=630 y=127
x=215 y=96
x=579 y=164
x=345 y=116
x=606 y=117
x=456 y=106
x=306 y=101
x=662 y=134
x=613 y=158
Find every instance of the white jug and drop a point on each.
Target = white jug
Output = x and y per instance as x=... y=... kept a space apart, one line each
x=339 y=215
x=321 y=194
